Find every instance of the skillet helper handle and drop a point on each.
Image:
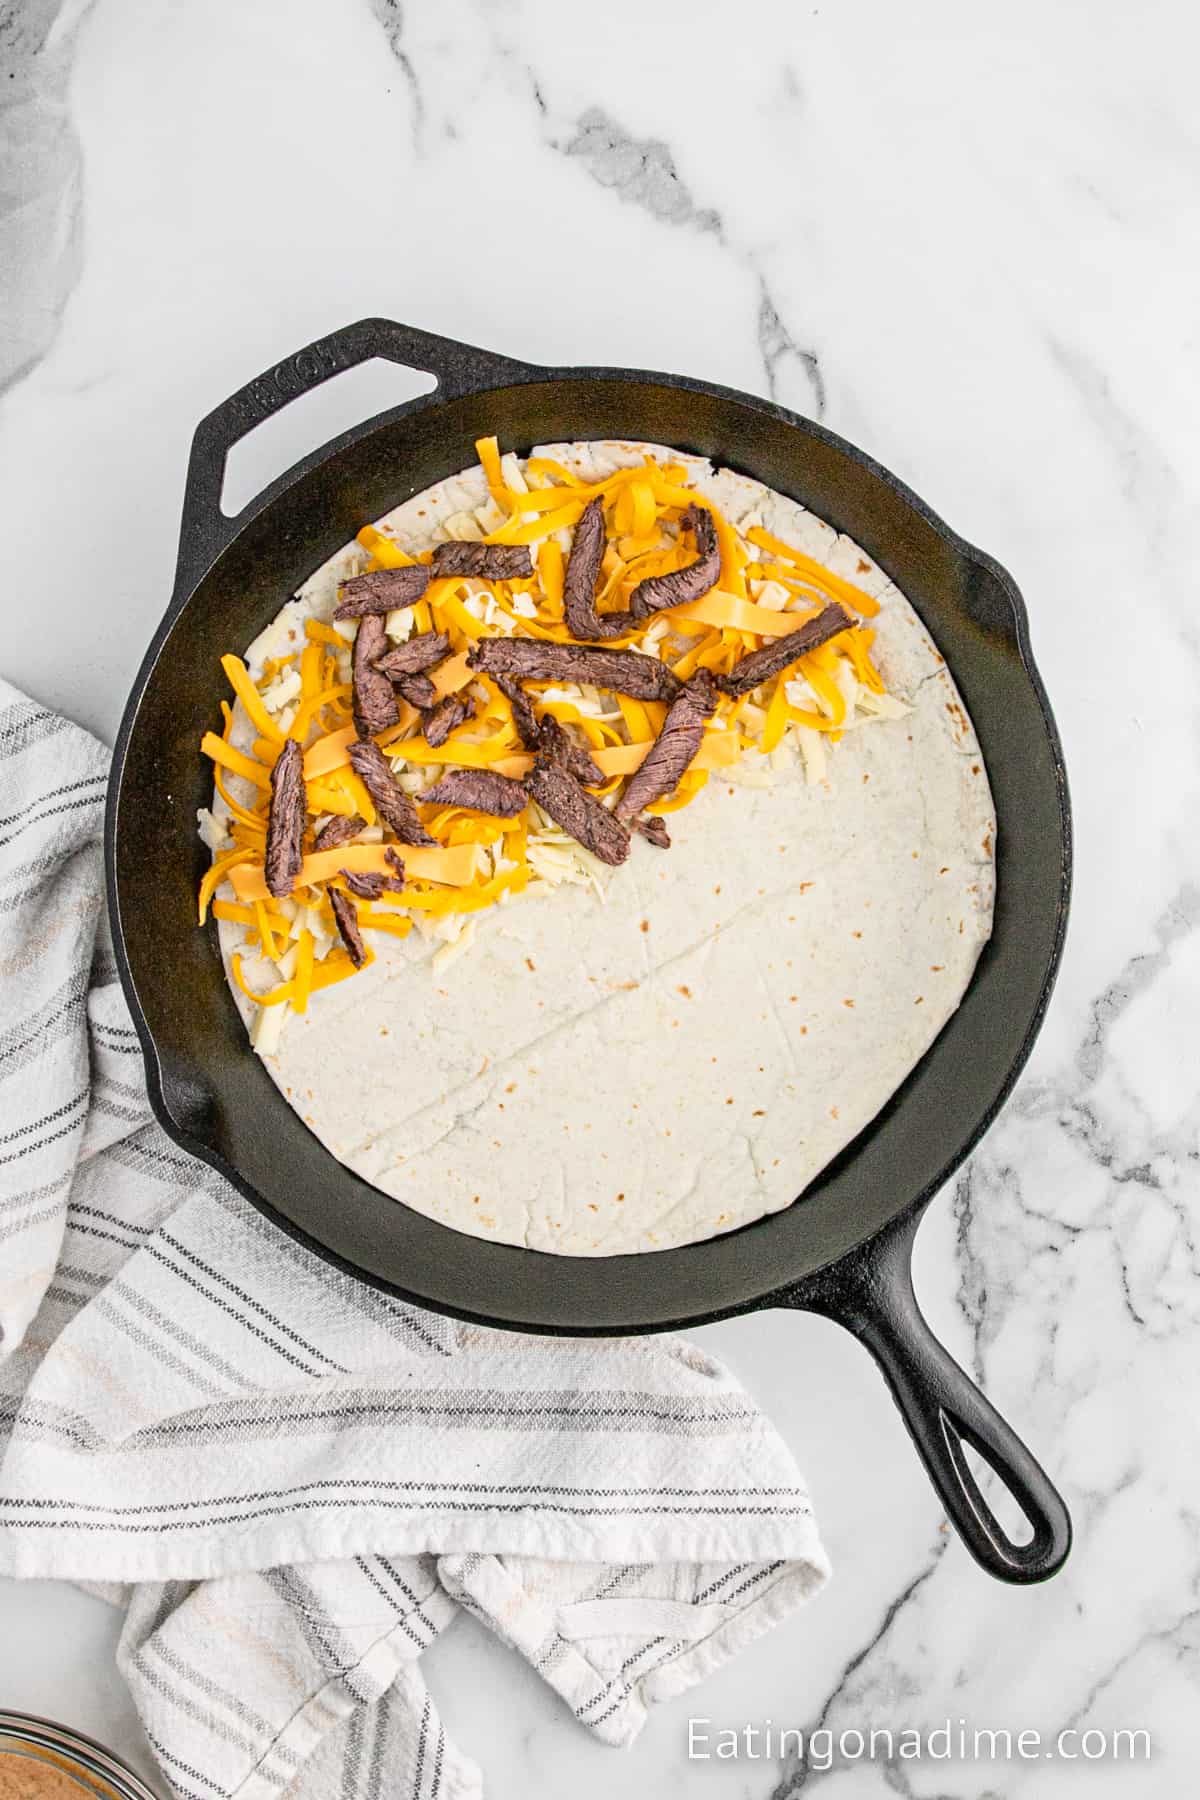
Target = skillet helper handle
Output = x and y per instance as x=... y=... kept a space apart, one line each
x=458 y=368
x=870 y=1292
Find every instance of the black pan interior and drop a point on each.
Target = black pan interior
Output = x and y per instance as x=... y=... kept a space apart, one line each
x=218 y=1099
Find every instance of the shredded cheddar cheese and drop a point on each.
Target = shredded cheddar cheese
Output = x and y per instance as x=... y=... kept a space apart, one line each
x=766 y=589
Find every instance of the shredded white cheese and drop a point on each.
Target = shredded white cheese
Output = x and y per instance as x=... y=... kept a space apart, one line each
x=214 y=832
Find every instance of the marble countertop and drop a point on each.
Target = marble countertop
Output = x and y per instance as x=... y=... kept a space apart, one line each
x=965 y=241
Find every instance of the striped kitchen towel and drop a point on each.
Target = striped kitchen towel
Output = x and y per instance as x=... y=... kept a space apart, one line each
x=291 y=1481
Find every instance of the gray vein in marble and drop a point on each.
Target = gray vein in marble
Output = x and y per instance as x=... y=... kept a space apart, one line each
x=1146 y=477
x=797 y=1772
x=390 y=15
x=643 y=172
x=40 y=212
x=778 y=348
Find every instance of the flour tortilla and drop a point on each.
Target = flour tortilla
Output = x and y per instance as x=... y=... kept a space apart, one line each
x=593 y=1078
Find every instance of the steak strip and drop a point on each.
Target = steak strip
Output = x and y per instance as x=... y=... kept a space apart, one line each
x=391 y=802
x=760 y=665
x=489 y=562
x=654 y=830
x=480 y=789
x=285 y=822
x=554 y=744
x=381 y=591
x=577 y=811
x=420 y=652
x=338 y=830
x=524 y=717
x=418 y=690
x=619 y=671
x=682 y=585
x=579 y=583
x=374 y=701
x=445 y=717
x=368 y=884
x=673 y=749
x=345 y=915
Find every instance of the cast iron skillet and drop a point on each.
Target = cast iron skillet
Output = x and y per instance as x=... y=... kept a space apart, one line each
x=844 y=1250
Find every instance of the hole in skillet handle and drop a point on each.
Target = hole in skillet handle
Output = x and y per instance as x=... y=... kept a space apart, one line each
x=870 y=1293
x=312 y=420
x=452 y=369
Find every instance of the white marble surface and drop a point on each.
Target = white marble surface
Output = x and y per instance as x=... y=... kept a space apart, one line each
x=967 y=240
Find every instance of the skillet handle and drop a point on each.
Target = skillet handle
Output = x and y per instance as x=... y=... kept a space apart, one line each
x=459 y=369
x=870 y=1293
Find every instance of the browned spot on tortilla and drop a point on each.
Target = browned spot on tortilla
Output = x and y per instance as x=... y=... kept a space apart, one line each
x=833 y=1112
x=729 y=1101
x=685 y=991
x=511 y=1088
x=856 y=934
x=758 y=1113
x=863 y=567
x=804 y=886
x=645 y=925
x=530 y=964
x=987 y=843
x=936 y=968
x=847 y=1003
x=919 y=1000
x=620 y=1199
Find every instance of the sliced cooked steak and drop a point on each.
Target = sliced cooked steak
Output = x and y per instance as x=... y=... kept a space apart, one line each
x=374 y=701
x=381 y=591
x=338 y=830
x=345 y=915
x=368 y=884
x=620 y=671
x=391 y=802
x=395 y=863
x=546 y=735
x=579 y=583
x=689 y=583
x=760 y=665
x=285 y=822
x=420 y=652
x=673 y=749
x=577 y=811
x=556 y=745
x=445 y=717
x=654 y=830
x=487 y=562
x=364 y=884
x=418 y=690
x=524 y=717
x=480 y=789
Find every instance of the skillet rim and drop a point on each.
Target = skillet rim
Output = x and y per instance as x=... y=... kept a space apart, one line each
x=790 y=1289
